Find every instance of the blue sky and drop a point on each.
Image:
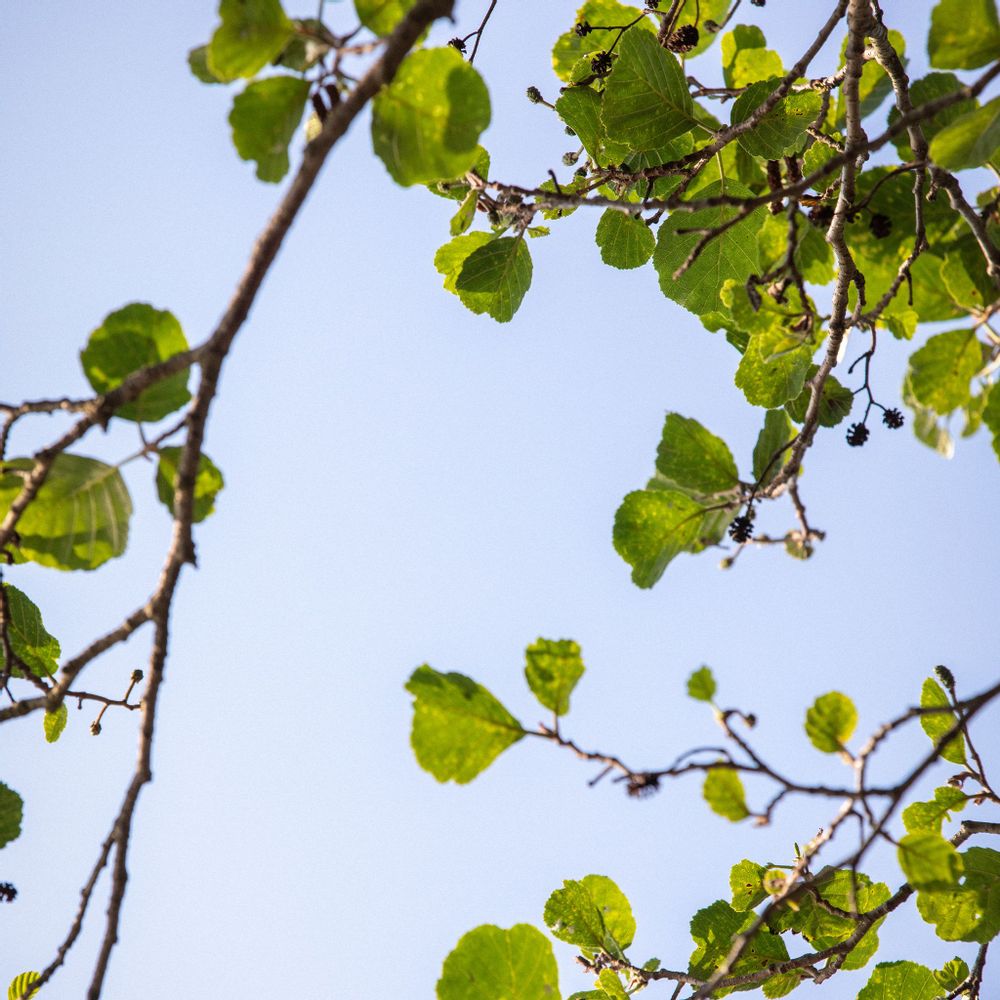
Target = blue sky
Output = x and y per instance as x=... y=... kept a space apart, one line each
x=409 y=483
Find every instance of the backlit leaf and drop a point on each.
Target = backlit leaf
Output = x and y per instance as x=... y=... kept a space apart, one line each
x=830 y=722
x=207 y=484
x=723 y=791
x=426 y=123
x=553 y=668
x=264 y=119
x=131 y=338
x=28 y=638
x=80 y=517
x=252 y=33
x=495 y=277
x=459 y=728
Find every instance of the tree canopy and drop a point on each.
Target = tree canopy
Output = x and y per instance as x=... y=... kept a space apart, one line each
x=813 y=221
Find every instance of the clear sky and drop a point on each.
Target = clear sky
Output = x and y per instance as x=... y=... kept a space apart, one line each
x=409 y=483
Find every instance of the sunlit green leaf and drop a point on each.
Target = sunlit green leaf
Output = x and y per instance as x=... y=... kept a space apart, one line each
x=830 y=722
x=426 y=123
x=553 y=668
x=264 y=119
x=964 y=34
x=625 y=241
x=207 y=484
x=937 y=724
x=723 y=791
x=131 y=338
x=459 y=728
x=490 y=962
x=694 y=458
x=580 y=109
x=78 y=520
x=252 y=33
x=952 y=974
x=20 y=986
x=382 y=16
x=11 y=812
x=592 y=913
x=929 y=861
x=55 y=722
x=745 y=57
x=768 y=451
x=571 y=48
x=968 y=141
x=746 y=880
x=651 y=528
x=930 y=815
x=901 y=981
x=782 y=128
x=495 y=277
x=29 y=641
x=701 y=685
x=646 y=99
x=733 y=255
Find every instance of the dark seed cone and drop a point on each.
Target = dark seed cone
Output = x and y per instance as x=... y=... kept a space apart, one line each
x=821 y=215
x=458 y=43
x=601 y=64
x=880 y=225
x=758 y=3
x=641 y=786
x=741 y=529
x=534 y=95
x=7 y=892
x=945 y=676
x=893 y=419
x=684 y=39
x=857 y=435
x=583 y=28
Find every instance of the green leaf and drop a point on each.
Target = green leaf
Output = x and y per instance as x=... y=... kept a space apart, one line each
x=930 y=815
x=198 y=63
x=451 y=257
x=701 y=685
x=494 y=278
x=382 y=16
x=929 y=861
x=733 y=255
x=463 y=218
x=651 y=528
x=593 y=914
x=252 y=33
x=955 y=913
x=964 y=34
x=773 y=368
x=952 y=974
x=695 y=459
x=55 y=722
x=553 y=668
x=900 y=981
x=11 y=812
x=830 y=722
x=646 y=98
x=982 y=876
x=264 y=119
x=20 y=986
x=490 y=962
x=723 y=791
x=426 y=123
x=625 y=241
x=29 y=641
x=776 y=433
x=834 y=405
x=991 y=417
x=459 y=728
x=611 y=985
x=937 y=724
x=570 y=47
x=929 y=88
x=712 y=929
x=307 y=46
x=941 y=370
x=745 y=58
x=746 y=880
x=129 y=339
x=580 y=109
x=78 y=520
x=207 y=484
x=780 y=131
x=970 y=141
